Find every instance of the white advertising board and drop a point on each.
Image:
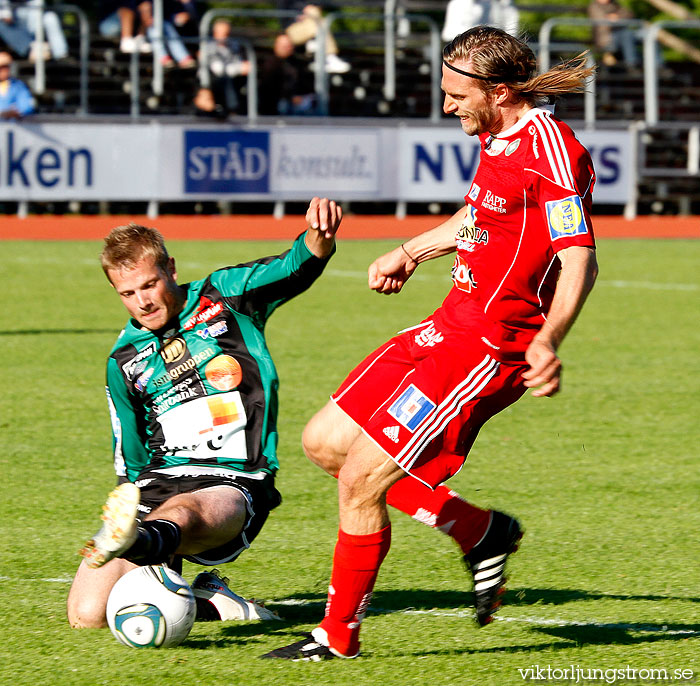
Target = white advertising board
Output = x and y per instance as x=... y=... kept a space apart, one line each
x=439 y=164
x=165 y=162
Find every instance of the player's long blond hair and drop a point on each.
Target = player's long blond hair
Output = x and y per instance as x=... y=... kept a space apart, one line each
x=126 y=245
x=498 y=57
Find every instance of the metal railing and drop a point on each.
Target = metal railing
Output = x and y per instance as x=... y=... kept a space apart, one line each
x=651 y=67
x=39 y=85
x=389 y=23
x=545 y=46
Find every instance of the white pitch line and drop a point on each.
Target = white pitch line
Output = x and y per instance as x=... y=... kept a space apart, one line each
x=650 y=285
x=541 y=621
x=56 y=580
x=461 y=614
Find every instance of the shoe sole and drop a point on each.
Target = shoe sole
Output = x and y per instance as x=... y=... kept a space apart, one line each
x=119 y=529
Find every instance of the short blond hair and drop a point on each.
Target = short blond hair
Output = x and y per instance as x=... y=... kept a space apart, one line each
x=124 y=246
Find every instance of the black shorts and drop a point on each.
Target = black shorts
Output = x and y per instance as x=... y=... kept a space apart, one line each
x=259 y=490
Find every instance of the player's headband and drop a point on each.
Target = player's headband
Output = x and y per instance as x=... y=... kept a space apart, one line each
x=497 y=79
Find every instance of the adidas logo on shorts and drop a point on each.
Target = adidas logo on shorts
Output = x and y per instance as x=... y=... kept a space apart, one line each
x=392 y=433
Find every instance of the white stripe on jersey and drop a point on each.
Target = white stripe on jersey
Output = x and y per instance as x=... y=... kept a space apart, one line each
x=556 y=151
x=447 y=410
x=363 y=373
x=563 y=153
x=544 y=278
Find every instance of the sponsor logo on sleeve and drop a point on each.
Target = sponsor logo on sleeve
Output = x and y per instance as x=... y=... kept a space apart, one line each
x=411 y=408
x=474 y=192
x=565 y=218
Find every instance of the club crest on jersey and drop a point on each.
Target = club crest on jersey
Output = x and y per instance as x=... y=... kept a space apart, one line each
x=411 y=408
x=512 y=147
x=565 y=217
x=495 y=146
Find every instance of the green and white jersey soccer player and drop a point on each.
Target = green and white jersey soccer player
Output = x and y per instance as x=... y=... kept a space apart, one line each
x=193 y=399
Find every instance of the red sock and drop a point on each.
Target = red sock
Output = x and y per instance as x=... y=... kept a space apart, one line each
x=441 y=509
x=356 y=563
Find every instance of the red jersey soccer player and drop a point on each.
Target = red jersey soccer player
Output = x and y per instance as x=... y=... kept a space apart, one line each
x=525 y=263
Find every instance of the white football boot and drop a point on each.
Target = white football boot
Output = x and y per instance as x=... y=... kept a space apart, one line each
x=119 y=530
x=211 y=588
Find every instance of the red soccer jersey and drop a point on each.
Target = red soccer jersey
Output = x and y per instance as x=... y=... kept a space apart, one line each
x=530 y=198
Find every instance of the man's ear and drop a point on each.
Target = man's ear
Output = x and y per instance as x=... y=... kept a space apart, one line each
x=171 y=268
x=501 y=93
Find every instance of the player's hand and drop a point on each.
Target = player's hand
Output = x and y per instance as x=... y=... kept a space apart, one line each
x=322 y=221
x=544 y=374
x=388 y=273
x=324 y=216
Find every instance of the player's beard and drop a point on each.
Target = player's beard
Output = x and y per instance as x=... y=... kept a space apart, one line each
x=477 y=121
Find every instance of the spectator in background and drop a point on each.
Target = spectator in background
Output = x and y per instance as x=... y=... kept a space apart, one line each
x=462 y=15
x=172 y=50
x=611 y=41
x=19 y=25
x=226 y=62
x=183 y=14
x=16 y=100
x=121 y=18
x=286 y=87
x=302 y=30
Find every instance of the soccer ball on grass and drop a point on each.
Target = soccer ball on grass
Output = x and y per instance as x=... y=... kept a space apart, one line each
x=151 y=607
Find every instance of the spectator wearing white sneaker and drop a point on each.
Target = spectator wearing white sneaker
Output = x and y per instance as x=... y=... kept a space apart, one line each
x=121 y=18
x=25 y=16
x=303 y=29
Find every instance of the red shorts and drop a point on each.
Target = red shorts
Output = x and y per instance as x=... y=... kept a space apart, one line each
x=423 y=396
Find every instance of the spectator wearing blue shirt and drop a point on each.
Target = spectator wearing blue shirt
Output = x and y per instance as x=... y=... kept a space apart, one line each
x=16 y=100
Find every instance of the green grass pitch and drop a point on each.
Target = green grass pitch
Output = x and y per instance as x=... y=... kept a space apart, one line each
x=604 y=478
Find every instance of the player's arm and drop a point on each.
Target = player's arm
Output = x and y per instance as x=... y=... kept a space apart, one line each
x=130 y=454
x=388 y=273
x=322 y=220
x=578 y=273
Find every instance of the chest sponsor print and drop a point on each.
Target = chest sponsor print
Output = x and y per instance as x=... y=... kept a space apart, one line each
x=207 y=310
x=206 y=428
x=224 y=373
x=462 y=275
x=470 y=235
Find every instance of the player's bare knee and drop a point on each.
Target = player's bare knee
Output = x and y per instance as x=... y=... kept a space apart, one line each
x=84 y=613
x=318 y=447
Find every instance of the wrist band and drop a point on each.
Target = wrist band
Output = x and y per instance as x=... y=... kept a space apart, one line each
x=413 y=259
